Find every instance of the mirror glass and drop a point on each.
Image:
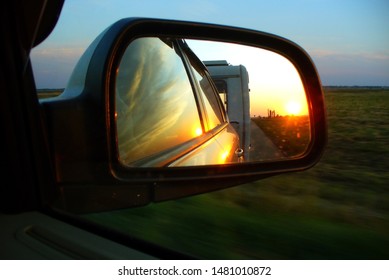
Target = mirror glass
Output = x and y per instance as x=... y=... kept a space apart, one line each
x=192 y=102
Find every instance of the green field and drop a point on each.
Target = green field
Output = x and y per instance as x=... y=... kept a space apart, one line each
x=337 y=210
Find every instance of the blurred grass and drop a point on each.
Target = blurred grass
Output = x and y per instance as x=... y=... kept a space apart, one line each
x=337 y=210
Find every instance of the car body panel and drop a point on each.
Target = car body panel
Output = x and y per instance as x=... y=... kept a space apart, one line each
x=222 y=145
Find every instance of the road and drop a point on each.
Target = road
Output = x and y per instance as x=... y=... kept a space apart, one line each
x=262 y=148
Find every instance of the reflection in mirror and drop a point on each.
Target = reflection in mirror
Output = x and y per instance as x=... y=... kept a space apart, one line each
x=264 y=98
x=163 y=116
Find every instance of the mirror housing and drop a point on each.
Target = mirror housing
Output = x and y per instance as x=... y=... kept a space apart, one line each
x=81 y=125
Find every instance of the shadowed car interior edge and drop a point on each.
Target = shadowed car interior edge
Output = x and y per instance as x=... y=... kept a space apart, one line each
x=149 y=116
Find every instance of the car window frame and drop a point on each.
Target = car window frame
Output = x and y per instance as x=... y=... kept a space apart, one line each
x=193 y=60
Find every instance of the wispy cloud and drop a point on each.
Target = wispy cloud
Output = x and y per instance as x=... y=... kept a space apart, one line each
x=73 y=53
x=347 y=56
x=53 y=65
x=352 y=68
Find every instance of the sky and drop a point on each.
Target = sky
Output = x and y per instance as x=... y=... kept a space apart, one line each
x=274 y=83
x=348 y=40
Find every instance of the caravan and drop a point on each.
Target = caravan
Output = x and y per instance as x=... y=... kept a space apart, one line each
x=232 y=82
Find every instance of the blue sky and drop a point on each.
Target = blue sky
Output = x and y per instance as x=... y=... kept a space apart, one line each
x=347 y=39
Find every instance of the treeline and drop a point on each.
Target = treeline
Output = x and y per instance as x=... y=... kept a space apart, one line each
x=50 y=89
x=49 y=92
x=356 y=87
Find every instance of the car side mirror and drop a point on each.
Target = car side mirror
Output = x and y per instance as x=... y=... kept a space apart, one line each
x=153 y=111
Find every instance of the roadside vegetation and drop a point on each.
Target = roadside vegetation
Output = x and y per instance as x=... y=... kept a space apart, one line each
x=337 y=210
x=290 y=134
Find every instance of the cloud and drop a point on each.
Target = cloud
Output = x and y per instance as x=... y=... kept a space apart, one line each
x=57 y=53
x=53 y=66
x=347 y=56
x=357 y=68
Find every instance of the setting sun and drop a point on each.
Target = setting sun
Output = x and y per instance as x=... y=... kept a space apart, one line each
x=197 y=131
x=293 y=108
